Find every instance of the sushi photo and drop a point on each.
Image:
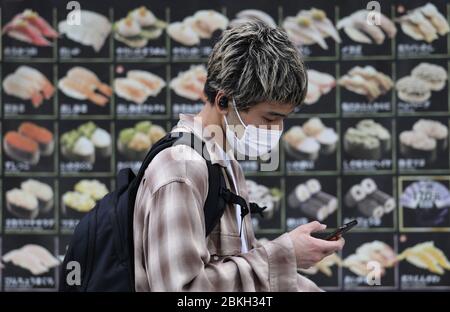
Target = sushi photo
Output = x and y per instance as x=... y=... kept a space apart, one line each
x=418 y=86
x=84 y=196
x=367 y=140
x=312 y=201
x=28 y=83
x=29 y=143
x=435 y=130
x=433 y=75
x=417 y=144
x=366 y=81
x=92 y=30
x=22 y=204
x=324 y=266
x=318 y=84
x=264 y=197
x=377 y=251
x=138 y=85
x=412 y=90
x=424 y=23
x=310 y=140
x=42 y=191
x=310 y=27
x=427 y=203
x=369 y=200
x=326 y=137
x=248 y=15
x=134 y=143
x=138 y=27
x=21 y=148
x=427 y=139
x=370 y=208
x=77 y=201
x=95 y=189
x=189 y=84
x=34 y=258
x=86 y=143
x=31 y=28
x=357 y=28
x=40 y=135
x=297 y=143
x=80 y=83
x=199 y=26
x=426 y=256
x=32 y=198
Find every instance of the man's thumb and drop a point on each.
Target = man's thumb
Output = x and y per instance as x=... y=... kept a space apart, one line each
x=314 y=226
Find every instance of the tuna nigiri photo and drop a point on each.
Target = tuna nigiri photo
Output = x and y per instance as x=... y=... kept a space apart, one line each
x=29 y=27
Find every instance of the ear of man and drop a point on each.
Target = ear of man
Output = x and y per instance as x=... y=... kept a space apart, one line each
x=221 y=101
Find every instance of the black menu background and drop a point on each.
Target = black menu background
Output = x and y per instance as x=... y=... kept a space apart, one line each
x=166 y=58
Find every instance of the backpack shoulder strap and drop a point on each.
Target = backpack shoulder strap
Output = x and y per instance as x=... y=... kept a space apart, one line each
x=214 y=205
x=162 y=144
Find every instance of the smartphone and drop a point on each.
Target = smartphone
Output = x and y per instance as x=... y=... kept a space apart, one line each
x=339 y=232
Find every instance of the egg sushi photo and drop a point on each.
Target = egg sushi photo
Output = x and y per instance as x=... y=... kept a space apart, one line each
x=85 y=194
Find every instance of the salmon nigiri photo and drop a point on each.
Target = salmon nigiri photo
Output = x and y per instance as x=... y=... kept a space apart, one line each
x=28 y=143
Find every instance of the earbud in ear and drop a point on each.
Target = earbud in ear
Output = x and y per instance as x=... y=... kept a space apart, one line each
x=223 y=102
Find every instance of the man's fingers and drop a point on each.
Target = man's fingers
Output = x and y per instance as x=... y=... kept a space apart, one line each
x=330 y=251
x=312 y=227
x=327 y=253
x=342 y=242
x=329 y=247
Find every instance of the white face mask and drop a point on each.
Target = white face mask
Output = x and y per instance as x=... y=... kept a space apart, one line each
x=255 y=142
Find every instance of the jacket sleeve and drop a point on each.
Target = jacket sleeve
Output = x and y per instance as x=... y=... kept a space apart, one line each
x=176 y=255
x=303 y=283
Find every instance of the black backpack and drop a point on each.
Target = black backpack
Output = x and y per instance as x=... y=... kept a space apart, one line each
x=100 y=256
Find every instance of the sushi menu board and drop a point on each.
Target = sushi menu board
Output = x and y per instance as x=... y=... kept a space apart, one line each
x=86 y=91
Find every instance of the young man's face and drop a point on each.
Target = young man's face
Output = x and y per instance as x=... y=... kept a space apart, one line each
x=264 y=114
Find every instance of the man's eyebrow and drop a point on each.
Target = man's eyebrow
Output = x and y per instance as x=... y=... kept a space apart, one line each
x=277 y=114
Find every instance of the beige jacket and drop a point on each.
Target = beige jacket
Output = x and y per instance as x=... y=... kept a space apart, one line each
x=170 y=249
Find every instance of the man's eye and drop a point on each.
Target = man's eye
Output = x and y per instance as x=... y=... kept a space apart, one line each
x=268 y=120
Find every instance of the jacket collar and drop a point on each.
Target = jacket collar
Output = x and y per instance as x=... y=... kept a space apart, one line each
x=191 y=123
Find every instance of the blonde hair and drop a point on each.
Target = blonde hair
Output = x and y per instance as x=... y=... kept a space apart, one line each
x=254 y=62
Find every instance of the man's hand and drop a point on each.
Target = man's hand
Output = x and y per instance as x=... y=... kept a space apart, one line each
x=310 y=250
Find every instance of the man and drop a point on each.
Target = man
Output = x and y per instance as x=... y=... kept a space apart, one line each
x=255 y=79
